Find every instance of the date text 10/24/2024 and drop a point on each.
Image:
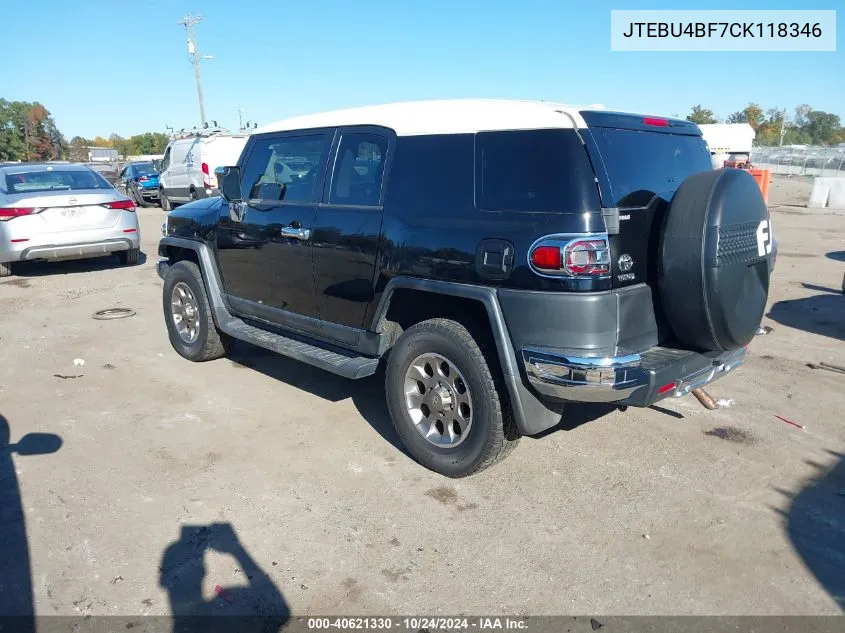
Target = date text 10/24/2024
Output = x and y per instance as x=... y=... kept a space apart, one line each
x=418 y=623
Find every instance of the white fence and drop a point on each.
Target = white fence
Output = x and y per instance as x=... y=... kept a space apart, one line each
x=803 y=161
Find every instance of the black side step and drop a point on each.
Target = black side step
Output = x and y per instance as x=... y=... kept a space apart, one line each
x=334 y=360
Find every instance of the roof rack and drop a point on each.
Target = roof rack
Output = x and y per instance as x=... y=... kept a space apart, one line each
x=205 y=130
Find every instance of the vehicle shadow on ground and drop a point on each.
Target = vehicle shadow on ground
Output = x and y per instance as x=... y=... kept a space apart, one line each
x=815 y=523
x=838 y=256
x=367 y=394
x=576 y=414
x=822 y=314
x=255 y=604
x=15 y=575
x=72 y=266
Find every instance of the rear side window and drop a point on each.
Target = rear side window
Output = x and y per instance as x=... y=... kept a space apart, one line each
x=535 y=171
x=641 y=165
x=358 y=170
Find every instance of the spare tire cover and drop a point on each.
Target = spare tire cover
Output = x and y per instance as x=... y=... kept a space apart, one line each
x=713 y=271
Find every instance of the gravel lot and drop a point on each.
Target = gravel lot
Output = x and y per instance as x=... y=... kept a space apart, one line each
x=284 y=485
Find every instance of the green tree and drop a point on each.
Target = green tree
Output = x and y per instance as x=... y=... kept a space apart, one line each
x=801 y=111
x=12 y=139
x=701 y=115
x=78 y=150
x=150 y=143
x=124 y=146
x=822 y=127
x=751 y=114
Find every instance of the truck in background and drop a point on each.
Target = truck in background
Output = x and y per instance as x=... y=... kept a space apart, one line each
x=729 y=143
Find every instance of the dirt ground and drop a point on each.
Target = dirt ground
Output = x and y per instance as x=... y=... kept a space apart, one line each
x=257 y=483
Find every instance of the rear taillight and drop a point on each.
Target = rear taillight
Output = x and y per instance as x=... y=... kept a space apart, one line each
x=547 y=257
x=206 y=181
x=7 y=213
x=120 y=204
x=587 y=256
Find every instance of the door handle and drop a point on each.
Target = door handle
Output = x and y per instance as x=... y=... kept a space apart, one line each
x=296 y=233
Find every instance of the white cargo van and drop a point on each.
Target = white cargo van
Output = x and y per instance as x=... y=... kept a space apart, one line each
x=187 y=169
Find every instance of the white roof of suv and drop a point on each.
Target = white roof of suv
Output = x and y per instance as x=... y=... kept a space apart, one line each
x=449 y=116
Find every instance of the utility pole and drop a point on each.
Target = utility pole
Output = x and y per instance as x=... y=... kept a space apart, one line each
x=189 y=22
x=782 y=127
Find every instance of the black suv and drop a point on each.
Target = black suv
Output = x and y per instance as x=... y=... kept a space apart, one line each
x=501 y=259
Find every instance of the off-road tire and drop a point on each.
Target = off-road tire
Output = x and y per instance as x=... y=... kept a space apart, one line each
x=130 y=257
x=492 y=435
x=211 y=343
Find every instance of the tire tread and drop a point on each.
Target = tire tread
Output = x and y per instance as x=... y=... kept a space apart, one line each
x=504 y=436
x=216 y=344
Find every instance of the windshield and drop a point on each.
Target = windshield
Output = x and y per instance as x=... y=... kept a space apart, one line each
x=54 y=180
x=643 y=164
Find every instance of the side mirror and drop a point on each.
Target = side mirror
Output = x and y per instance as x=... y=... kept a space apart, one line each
x=229 y=181
x=37 y=444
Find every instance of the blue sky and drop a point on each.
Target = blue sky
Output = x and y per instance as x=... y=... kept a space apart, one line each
x=105 y=67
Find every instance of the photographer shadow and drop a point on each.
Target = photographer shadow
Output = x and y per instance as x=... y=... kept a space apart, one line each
x=256 y=606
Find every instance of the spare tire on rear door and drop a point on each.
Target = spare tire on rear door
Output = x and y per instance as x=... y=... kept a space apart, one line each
x=713 y=271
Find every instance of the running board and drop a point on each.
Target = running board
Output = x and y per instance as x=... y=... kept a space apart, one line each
x=332 y=360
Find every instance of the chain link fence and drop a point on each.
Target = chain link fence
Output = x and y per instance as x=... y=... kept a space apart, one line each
x=804 y=161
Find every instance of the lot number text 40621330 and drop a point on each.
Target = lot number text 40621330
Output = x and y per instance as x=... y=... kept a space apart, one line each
x=418 y=623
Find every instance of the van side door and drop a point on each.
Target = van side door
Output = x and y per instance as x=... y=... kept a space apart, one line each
x=348 y=228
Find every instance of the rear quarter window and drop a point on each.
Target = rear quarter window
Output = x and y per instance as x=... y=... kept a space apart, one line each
x=432 y=176
x=533 y=171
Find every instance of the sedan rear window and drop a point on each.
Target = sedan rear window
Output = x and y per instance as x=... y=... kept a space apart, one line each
x=54 y=180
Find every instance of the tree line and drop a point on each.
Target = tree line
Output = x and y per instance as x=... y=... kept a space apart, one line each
x=806 y=126
x=29 y=133
x=147 y=143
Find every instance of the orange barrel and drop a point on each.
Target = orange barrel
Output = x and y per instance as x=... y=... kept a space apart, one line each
x=763 y=177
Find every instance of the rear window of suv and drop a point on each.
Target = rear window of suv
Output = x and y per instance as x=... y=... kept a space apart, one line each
x=643 y=164
x=534 y=171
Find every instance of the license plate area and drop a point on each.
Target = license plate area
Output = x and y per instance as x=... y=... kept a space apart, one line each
x=74 y=212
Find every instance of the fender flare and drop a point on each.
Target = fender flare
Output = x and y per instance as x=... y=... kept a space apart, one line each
x=531 y=414
x=208 y=269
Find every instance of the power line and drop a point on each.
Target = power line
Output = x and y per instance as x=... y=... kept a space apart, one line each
x=189 y=22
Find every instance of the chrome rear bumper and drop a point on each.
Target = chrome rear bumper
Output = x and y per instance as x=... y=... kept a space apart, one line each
x=630 y=379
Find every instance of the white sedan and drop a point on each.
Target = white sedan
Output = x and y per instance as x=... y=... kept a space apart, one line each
x=63 y=211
